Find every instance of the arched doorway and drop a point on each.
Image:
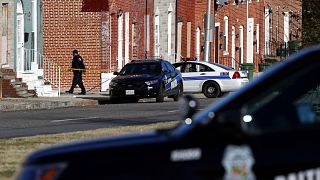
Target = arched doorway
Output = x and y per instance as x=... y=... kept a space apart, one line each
x=19 y=37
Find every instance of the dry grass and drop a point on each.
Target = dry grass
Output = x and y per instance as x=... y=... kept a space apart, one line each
x=13 y=151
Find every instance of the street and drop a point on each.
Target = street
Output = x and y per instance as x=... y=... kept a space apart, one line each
x=28 y=123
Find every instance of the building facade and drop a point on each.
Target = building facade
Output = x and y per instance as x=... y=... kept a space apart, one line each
x=106 y=38
x=165 y=29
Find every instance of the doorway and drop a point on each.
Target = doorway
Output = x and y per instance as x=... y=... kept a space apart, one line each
x=20 y=38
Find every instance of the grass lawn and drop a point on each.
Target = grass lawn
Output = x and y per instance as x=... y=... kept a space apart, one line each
x=14 y=150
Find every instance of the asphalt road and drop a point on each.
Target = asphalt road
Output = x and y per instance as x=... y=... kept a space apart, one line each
x=27 y=123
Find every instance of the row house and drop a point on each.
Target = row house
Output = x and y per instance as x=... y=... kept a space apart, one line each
x=252 y=31
x=21 y=62
x=107 y=34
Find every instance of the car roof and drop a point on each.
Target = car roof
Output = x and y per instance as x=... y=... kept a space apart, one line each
x=146 y=61
x=216 y=65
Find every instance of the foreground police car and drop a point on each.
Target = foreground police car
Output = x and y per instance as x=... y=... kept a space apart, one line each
x=146 y=79
x=268 y=130
x=211 y=79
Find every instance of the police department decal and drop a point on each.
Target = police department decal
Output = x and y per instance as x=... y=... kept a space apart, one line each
x=237 y=162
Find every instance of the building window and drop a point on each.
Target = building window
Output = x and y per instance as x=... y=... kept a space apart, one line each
x=225 y=35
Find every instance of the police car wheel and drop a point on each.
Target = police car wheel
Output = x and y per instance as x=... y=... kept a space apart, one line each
x=160 y=96
x=180 y=93
x=114 y=100
x=211 y=90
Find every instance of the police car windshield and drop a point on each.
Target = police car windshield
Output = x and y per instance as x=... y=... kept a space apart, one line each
x=141 y=68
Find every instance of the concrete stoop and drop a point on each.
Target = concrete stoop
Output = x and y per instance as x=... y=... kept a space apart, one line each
x=36 y=82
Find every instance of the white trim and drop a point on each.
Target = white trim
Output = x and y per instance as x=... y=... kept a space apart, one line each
x=120 y=41
x=169 y=30
x=198 y=36
x=286 y=27
x=225 y=35
x=266 y=32
x=241 y=34
x=233 y=46
x=127 y=38
x=179 y=41
x=258 y=38
x=20 y=38
x=250 y=37
x=157 y=33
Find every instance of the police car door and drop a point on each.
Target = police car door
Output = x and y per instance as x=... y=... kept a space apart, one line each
x=283 y=124
x=168 y=77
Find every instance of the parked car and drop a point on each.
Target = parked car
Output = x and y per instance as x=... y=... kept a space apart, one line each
x=146 y=79
x=211 y=79
x=267 y=130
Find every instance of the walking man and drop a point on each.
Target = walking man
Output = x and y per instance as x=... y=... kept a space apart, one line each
x=77 y=67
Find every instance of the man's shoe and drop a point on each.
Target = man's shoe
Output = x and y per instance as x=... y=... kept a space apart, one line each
x=82 y=93
x=68 y=92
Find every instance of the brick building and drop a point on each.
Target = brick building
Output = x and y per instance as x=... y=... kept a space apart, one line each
x=190 y=28
x=165 y=29
x=243 y=33
x=107 y=38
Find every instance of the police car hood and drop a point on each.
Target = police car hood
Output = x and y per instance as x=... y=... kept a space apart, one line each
x=104 y=147
x=136 y=77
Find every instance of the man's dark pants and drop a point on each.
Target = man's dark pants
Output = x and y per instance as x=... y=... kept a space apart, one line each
x=77 y=80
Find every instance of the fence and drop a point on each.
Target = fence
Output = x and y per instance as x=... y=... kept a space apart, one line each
x=32 y=56
x=281 y=50
x=230 y=62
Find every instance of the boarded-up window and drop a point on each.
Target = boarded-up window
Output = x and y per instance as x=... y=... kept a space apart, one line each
x=95 y=5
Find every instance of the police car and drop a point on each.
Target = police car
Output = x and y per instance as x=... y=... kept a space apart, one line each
x=269 y=129
x=139 y=79
x=210 y=78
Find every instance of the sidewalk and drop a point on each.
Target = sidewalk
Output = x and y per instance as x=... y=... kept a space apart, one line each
x=65 y=100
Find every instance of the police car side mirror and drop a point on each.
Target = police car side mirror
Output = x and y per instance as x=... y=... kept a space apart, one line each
x=116 y=73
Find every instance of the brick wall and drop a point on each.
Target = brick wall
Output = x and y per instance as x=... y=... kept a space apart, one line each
x=278 y=9
x=193 y=11
x=136 y=17
x=66 y=28
x=237 y=16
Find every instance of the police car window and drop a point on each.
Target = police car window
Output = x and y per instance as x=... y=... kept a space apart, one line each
x=290 y=102
x=204 y=68
x=141 y=68
x=193 y=67
x=179 y=66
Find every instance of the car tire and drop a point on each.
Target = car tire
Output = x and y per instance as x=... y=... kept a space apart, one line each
x=211 y=90
x=114 y=100
x=180 y=93
x=160 y=96
x=134 y=100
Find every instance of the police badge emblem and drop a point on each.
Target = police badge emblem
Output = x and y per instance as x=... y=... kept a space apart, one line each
x=237 y=162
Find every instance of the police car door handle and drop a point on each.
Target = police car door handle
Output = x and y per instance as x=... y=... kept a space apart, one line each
x=203 y=74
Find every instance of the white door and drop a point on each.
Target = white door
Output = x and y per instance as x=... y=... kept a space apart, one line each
x=233 y=51
x=250 y=35
x=20 y=38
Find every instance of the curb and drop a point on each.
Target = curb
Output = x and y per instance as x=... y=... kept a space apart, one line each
x=7 y=105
